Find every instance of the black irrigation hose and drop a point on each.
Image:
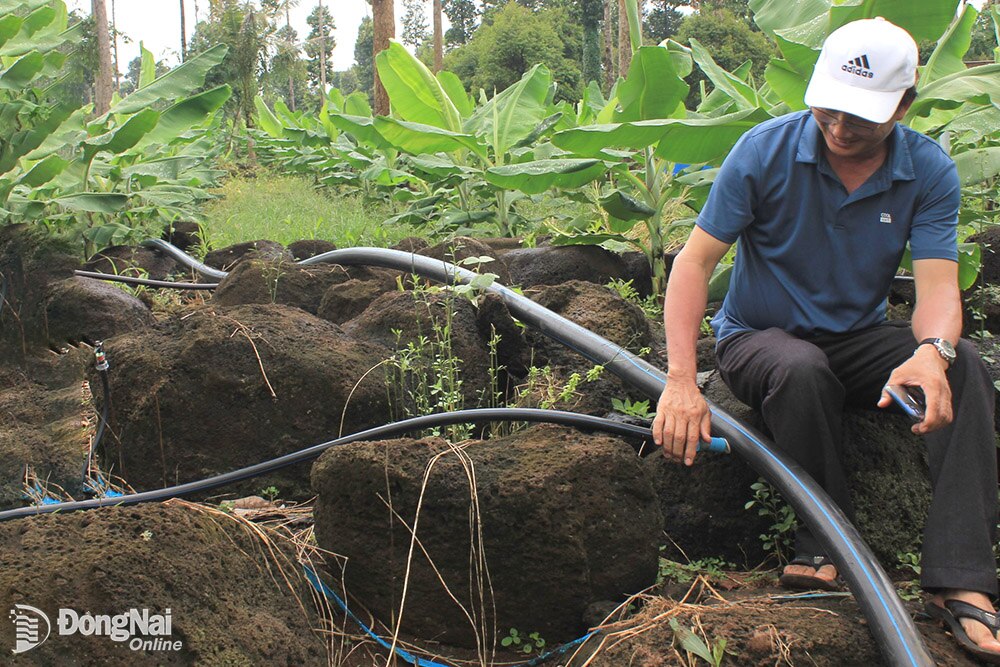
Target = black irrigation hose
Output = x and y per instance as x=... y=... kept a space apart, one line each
x=144 y=281
x=891 y=625
x=184 y=258
x=478 y=416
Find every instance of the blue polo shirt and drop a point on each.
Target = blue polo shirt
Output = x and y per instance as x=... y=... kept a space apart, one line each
x=811 y=258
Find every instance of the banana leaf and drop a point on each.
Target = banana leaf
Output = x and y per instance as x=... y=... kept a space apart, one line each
x=653 y=88
x=538 y=176
x=93 y=202
x=513 y=113
x=415 y=94
x=175 y=84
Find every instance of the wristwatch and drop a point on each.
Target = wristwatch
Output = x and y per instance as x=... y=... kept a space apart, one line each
x=944 y=348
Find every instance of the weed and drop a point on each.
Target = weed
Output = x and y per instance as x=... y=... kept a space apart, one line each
x=632 y=408
x=651 y=306
x=544 y=389
x=270 y=493
x=526 y=644
x=711 y=652
x=770 y=505
x=910 y=560
x=680 y=573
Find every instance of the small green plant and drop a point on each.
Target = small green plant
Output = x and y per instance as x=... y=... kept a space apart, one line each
x=711 y=652
x=652 y=307
x=632 y=408
x=770 y=505
x=682 y=573
x=910 y=589
x=544 y=389
x=525 y=644
x=270 y=493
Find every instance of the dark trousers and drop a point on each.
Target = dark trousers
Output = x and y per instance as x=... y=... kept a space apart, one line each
x=801 y=387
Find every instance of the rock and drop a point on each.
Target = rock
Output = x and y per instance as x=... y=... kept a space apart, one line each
x=989 y=350
x=135 y=261
x=258 y=281
x=211 y=573
x=603 y=312
x=455 y=250
x=554 y=265
x=981 y=311
x=565 y=520
x=83 y=309
x=184 y=234
x=193 y=398
x=307 y=248
x=226 y=258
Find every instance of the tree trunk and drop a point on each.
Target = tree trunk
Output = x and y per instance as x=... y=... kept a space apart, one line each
x=384 y=24
x=114 y=45
x=609 y=54
x=103 y=81
x=322 y=53
x=183 y=33
x=624 y=41
x=291 y=81
x=438 y=37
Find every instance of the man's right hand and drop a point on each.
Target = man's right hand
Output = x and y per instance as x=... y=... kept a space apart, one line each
x=682 y=420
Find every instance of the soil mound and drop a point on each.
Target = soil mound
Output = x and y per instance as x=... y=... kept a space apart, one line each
x=554 y=265
x=442 y=326
x=132 y=261
x=87 y=310
x=886 y=465
x=564 y=520
x=45 y=427
x=257 y=281
x=759 y=632
x=224 y=388
x=307 y=248
x=226 y=258
x=461 y=248
x=600 y=310
x=229 y=605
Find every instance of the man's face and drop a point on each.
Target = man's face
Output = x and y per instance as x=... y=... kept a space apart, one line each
x=849 y=136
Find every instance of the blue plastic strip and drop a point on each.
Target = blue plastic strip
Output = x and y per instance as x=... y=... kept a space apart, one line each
x=328 y=593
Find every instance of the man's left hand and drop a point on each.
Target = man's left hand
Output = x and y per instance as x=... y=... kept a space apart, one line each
x=925 y=369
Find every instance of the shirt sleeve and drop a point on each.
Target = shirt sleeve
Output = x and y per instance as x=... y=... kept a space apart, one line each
x=934 y=229
x=732 y=199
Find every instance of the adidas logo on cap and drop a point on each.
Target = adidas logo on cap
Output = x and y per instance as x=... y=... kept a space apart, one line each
x=859 y=66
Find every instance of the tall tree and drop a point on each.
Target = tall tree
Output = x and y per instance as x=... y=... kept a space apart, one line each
x=183 y=30
x=590 y=18
x=462 y=16
x=103 y=83
x=662 y=20
x=624 y=41
x=608 y=50
x=364 y=63
x=415 y=30
x=384 y=20
x=438 y=38
x=288 y=75
x=318 y=46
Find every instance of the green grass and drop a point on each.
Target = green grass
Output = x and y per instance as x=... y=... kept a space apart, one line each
x=287 y=209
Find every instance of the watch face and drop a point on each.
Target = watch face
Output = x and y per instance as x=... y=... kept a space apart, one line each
x=945 y=349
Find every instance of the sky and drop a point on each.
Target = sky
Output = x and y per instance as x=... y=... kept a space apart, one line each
x=158 y=24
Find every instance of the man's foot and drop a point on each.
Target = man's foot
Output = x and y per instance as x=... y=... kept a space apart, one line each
x=810 y=573
x=973 y=634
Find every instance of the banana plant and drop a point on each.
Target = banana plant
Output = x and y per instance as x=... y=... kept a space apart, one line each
x=478 y=150
x=107 y=178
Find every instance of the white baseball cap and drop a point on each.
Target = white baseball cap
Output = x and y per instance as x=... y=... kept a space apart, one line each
x=864 y=69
